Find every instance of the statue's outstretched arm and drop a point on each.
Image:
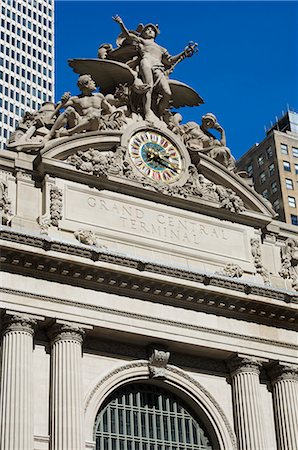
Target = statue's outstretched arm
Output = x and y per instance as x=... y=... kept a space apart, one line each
x=189 y=50
x=122 y=26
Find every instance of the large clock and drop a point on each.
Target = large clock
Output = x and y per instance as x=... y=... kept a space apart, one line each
x=156 y=156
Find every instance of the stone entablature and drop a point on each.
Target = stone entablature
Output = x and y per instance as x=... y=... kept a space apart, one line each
x=204 y=290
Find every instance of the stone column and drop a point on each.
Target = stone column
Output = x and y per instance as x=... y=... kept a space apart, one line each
x=16 y=415
x=66 y=387
x=284 y=379
x=245 y=373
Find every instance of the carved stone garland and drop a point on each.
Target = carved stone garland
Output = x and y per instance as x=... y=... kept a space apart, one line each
x=98 y=163
x=5 y=204
x=55 y=205
x=257 y=256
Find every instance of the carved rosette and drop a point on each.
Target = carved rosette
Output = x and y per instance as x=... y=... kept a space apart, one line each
x=157 y=363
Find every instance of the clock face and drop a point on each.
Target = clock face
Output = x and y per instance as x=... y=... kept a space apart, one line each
x=155 y=156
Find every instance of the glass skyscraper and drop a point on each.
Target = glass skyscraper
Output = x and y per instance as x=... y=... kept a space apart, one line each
x=26 y=60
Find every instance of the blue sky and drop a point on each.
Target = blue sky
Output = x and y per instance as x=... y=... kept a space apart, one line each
x=246 y=69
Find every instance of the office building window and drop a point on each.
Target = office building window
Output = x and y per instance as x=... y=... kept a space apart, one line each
x=292 y=201
x=287 y=166
x=284 y=149
x=295 y=152
x=273 y=187
x=294 y=219
x=276 y=205
x=289 y=184
x=271 y=169
x=296 y=168
x=249 y=170
x=262 y=177
x=260 y=160
x=265 y=193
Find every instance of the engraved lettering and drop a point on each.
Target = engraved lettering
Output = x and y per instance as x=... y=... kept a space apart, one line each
x=143 y=227
x=91 y=202
x=139 y=213
x=148 y=222
x=161 y=218
x=103 y=205
x=127 y=209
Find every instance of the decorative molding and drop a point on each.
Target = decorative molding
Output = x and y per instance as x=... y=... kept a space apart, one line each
x=257 y=257
x=44 y=223
x=157 y=363
x=289 y=260
x=245 y=364
x=95 y=254
x=55 y=205
x=95 y=162
x=97 y=387
x=279 y=371
x=174 y=374
x=147 y=318
x=190 y=379
x=18 y=322
x=196 y=186
x=231 y=271
x=88 y=237
x=66 y=332
x=193 y=297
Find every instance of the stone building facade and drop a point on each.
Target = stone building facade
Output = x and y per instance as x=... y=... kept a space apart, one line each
x=148 y=295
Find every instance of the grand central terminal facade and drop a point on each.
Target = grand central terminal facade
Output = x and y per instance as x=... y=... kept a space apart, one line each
x=148 y=294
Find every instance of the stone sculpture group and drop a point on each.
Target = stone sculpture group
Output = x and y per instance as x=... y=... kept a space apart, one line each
x=134 y=86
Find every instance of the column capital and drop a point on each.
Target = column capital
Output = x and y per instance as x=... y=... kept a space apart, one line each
x=280 y=371
x=67 y=331
x=245 y=364
x=18 y=321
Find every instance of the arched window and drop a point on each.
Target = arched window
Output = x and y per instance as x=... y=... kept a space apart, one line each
x=147 y=417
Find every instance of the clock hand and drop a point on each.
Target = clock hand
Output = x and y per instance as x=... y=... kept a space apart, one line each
x=167 y=166
x=170 y=165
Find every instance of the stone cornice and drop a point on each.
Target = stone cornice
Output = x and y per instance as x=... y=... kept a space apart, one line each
x=147 y=318
x=134 y=277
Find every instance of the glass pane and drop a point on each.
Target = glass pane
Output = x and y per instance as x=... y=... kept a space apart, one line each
x=146 y=417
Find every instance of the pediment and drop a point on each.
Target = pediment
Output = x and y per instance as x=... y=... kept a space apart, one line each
x=101 y=159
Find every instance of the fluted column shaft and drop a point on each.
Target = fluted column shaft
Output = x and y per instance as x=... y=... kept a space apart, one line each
x=16 y=422
x=246 y=403
x=66 y=401
x=285 y=402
